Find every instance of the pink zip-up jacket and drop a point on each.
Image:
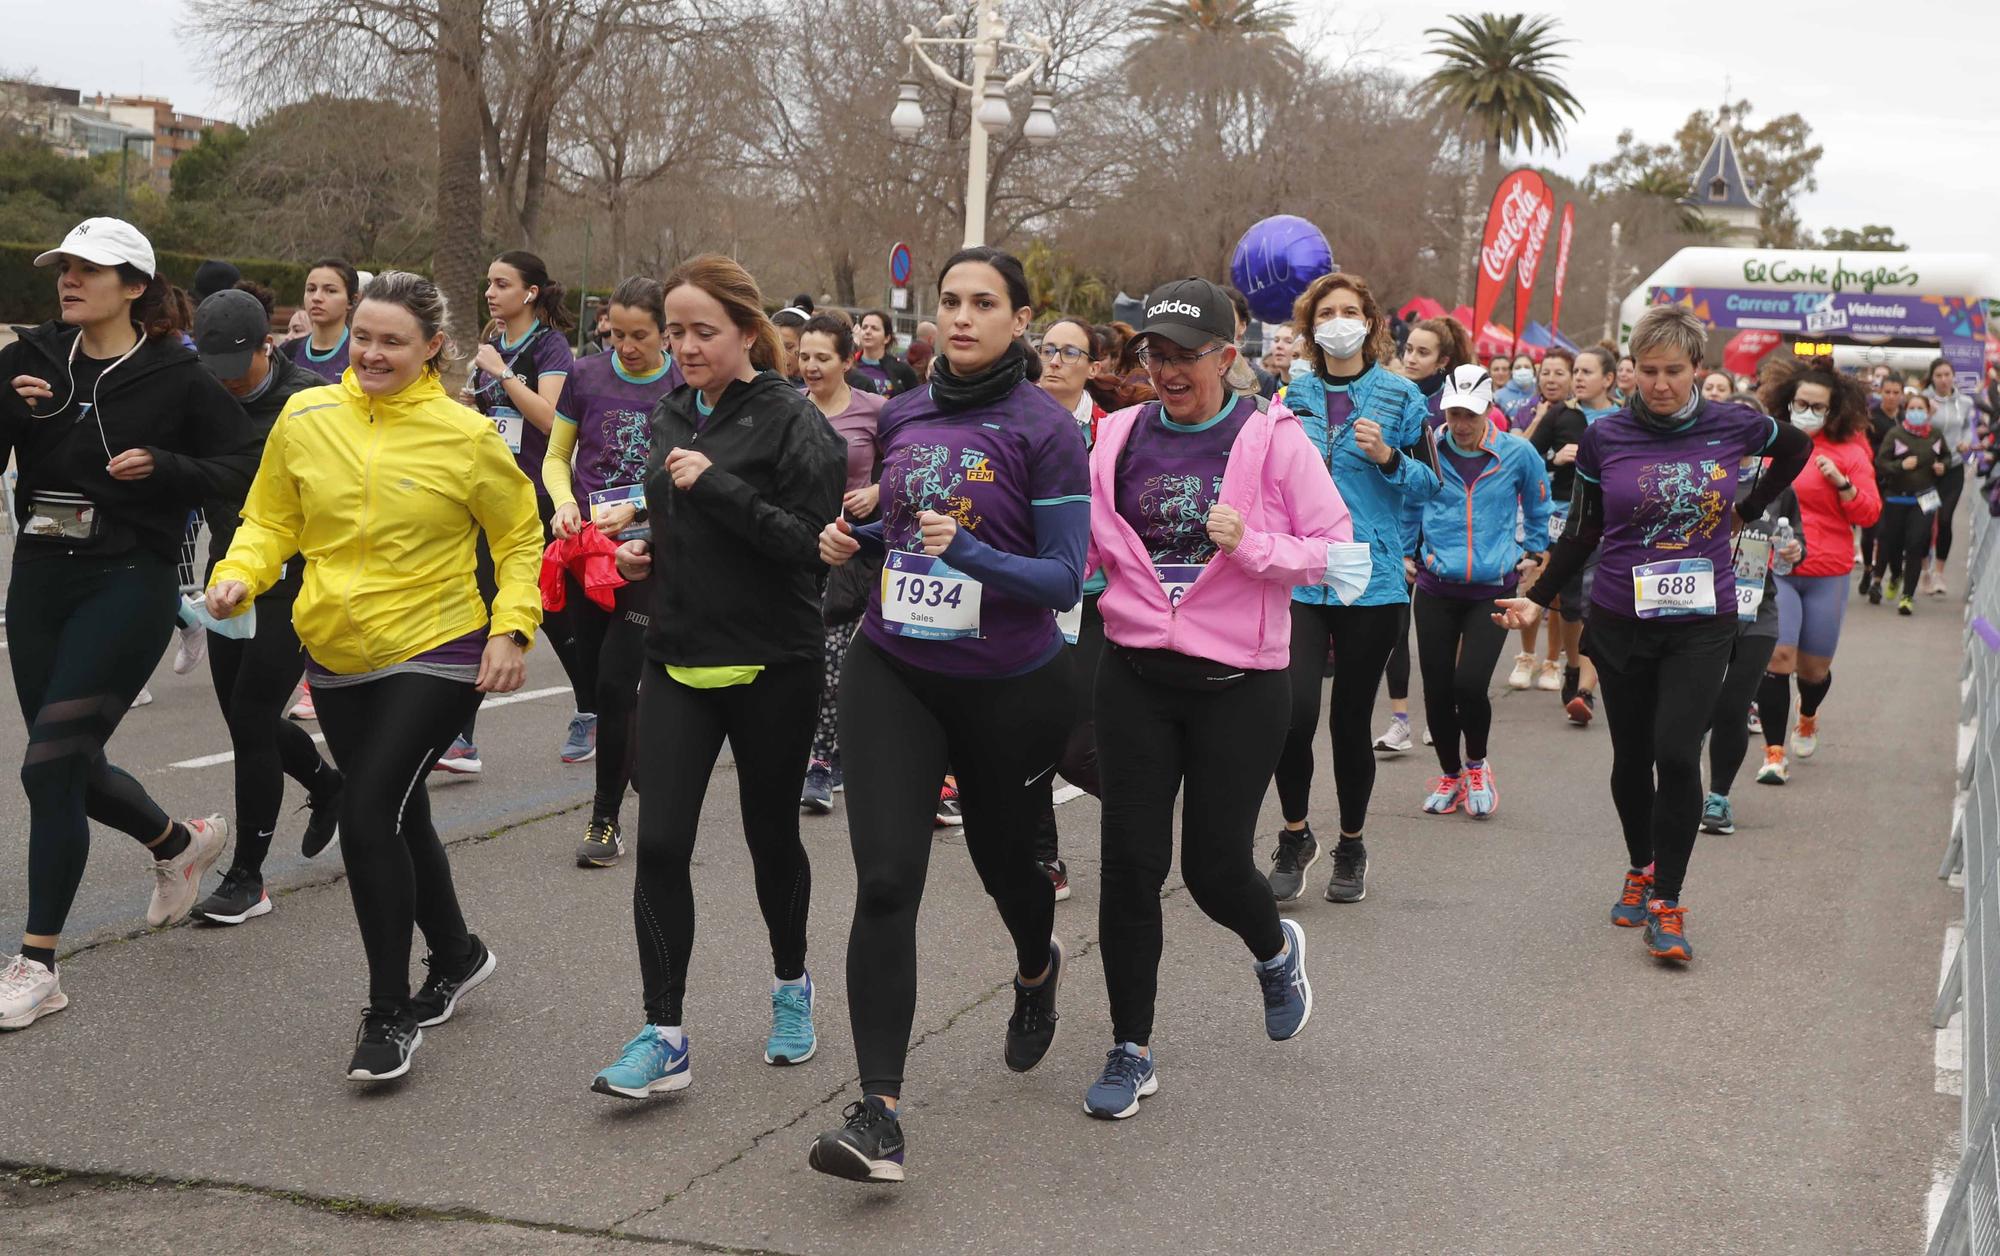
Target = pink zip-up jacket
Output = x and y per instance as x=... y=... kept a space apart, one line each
x=1238 y=612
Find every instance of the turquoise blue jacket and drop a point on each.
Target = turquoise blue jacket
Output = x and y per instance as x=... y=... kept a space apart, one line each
x=1380 y=500
x=1468 y=529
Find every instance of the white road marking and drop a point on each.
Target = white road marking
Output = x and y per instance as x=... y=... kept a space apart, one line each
x=1949 y=1052
x=505 y=699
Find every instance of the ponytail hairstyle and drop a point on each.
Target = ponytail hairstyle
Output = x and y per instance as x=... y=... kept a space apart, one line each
x=642 y=293
x=548 y=293
x=349 y=277
x=1015 y=280
x=154 y=310
x=1454 y=342
x=422 y=300
x=731 y=285
x=838 y=330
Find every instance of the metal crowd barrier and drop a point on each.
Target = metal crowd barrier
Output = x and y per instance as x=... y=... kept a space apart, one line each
x=1970 y=1222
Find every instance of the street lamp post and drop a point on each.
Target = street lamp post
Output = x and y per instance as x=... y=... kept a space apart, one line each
x=991 y=114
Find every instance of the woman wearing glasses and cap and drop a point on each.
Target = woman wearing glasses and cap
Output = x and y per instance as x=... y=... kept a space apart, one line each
x=118 y=433
x=1207 y=507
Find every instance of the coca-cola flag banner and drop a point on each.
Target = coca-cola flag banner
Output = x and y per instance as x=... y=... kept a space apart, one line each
x=1562 y=262
x=1530 y=263
x=1507 y=220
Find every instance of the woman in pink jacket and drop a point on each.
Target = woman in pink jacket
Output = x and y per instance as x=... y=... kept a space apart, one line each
x=1207 y=508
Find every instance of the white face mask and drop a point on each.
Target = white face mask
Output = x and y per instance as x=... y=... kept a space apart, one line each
x=1806 y=421
x=1341 y=337
x=1300 y=368
x=1524 y=377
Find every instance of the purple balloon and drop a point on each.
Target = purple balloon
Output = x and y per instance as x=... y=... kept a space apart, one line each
x=1275 y=261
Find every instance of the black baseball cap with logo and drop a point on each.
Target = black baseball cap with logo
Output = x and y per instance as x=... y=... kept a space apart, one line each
x=229 y=329
x=1190 y=312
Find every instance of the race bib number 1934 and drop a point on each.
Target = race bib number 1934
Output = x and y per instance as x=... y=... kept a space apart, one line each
x=927 y=598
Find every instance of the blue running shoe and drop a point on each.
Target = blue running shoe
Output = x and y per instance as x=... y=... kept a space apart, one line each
x=1445 y=796
x=580 y=746
x=1288 y=996
x=1630 y=909
x=792 y=1039
x=816 y=795
x=1666 y=930
x=649 y=1065
x=1716 y=817
x=1482 y=791
x=1127 y=1078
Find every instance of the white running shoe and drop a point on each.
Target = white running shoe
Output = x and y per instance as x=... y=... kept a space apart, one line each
x=145 y=698
x=1396 y=739
x=1523 y=674
x=1805 y=736
x=177 y=881
x=28 y=992
x=303 y=708
x=192 y=650
x=1550 y=675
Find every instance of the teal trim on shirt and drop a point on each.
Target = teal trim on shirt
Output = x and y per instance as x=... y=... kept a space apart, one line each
x=509 y=348
x=345 y=332
x=1059 y=501
x=1222 y=414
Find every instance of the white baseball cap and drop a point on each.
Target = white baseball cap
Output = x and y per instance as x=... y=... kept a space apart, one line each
x=105 y=241
x=1469 y=387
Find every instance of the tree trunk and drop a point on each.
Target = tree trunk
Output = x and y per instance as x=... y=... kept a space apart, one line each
x=536 y=183
x=460 y=238
x=843 y=276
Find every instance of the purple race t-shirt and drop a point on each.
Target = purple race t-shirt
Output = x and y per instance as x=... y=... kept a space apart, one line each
x=860 y=426
x=1169 y=475
x=1667 y=497
x=876 y=375
x=541 y=352
x=329 y=368
x=611 y=411
x=988 y=468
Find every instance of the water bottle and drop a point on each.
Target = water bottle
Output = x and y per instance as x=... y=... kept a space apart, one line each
x=1781 y=537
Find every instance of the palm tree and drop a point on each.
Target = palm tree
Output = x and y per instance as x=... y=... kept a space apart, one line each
x=1190 y=21
x=1499 y=69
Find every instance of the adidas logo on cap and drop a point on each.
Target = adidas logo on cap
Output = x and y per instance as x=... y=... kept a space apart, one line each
x=1174 y=307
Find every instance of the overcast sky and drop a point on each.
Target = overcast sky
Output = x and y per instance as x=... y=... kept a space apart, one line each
x=1900 y=94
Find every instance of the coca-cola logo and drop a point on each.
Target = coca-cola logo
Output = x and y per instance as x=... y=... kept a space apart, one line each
x=1517 y=213
x=1538 y=235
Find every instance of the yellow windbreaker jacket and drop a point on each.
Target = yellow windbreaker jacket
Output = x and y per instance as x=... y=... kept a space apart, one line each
x=384 y=498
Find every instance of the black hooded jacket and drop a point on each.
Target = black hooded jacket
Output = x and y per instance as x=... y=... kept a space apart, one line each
x=161 y=399
x=736 y=569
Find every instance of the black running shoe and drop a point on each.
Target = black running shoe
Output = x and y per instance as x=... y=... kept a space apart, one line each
x=383 y=1047
x=1296 y=853
x=443 y=989
x=868 y=1148
x=603 y=843
x=1032 y=1027
x=240 y=897
x=324 y=804
x=1350 y=872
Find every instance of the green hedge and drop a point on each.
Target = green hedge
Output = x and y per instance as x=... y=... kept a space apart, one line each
x=27 y=294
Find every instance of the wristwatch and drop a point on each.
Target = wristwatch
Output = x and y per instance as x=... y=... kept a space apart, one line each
x=518 y=638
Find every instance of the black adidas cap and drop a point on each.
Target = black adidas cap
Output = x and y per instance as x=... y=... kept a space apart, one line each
x=1191 y=313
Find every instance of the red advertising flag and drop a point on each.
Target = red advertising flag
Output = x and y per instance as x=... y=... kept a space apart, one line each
x=1535 y=237
x=1562 y=262
x=1507 y=221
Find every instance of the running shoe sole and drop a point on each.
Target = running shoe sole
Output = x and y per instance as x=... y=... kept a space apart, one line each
x=477 y=979
x=782 y=1061
x=1317 y=852
x=1579 y=712
x=842 y=1161
x=585 y=757
x=1718 y=827
x=817 y=806
x=664 y=1086
x=262 y=907
x=458 y=767
x=54 y=1003
x=1675 y=952
x=1062 y=892
x=593 y=860
x=363 y=1075
x=1147 y=1089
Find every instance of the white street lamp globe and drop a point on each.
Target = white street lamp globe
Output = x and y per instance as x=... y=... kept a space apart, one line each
x=907 y=118
x=993 y=113
x=1041 y=125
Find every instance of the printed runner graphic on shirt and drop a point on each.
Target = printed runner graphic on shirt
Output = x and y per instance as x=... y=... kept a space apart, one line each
x=626 y=442
x=930 y=482
x=1679 y=504
x=1175 y=506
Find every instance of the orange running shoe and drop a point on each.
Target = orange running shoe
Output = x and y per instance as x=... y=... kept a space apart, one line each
x=1666 y=931
x=1630 y=909
x=1774 y=771
x=1805 y=737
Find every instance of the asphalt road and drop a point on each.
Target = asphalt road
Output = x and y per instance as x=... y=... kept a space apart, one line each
x=1491 y=1066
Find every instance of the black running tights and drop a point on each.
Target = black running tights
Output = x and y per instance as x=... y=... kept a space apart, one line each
x=385 y=734
x=1458 y=645
x=608 y=650
x=769 y=726
x=83 y=636
x=900 y=726
x=1078 y=764
x=1659 y=682
x=1949 y=489
x=1398 y=669
x=253 y=682
x=1361 y=638
x=1903 y=537
x=1729 y=723
x=1222 y=746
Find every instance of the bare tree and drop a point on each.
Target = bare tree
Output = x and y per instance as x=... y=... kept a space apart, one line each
x=458 y=255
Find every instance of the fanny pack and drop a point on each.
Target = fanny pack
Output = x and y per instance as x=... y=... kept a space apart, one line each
x=61 y=517
x=1180 y=671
